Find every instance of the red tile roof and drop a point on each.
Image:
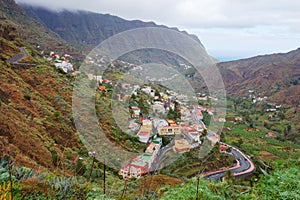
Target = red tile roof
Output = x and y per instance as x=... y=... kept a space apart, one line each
x=102 y=88
x=223 y=147
x=143 y=133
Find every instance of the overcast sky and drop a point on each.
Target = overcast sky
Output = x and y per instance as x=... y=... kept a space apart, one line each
x=229 y=29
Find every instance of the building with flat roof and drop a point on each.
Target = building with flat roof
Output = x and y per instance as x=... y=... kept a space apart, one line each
x=181 y=146
x=169 y=130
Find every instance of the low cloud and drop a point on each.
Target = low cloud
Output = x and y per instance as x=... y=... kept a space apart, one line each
x=189 y=13
x=211 y=16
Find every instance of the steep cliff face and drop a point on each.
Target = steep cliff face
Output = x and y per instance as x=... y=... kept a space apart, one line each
x=86 y=29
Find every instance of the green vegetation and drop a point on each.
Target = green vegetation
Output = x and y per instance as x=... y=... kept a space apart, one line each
x=191 y=163
x=250 y=134
x=206 y=118
x=141 y=100
x=283 y=183
x=174 y=114
x=24 y=183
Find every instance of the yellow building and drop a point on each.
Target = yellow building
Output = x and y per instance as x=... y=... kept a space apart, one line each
x=169 y=130
x=181 y=146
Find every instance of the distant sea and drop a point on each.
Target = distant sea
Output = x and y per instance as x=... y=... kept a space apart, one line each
x=225 y=59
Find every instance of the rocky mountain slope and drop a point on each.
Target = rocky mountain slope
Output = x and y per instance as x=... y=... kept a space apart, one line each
x=276 y=76
x=36 y=125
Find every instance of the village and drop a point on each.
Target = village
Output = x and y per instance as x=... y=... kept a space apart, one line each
x=182 y=135
x=174 y=123
x=183 y=129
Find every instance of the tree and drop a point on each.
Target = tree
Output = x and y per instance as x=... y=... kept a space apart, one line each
x=289 y=128
x=222 y=136
x=131 y=112
x=281 y=115
x=240 y=142
x=156 y=93
x=171 y=114
x=133 y=97
x=204 y=134
x=206 y=118
x=80 y=168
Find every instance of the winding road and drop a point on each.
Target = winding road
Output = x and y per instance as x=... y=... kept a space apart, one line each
x=16 y=58
x=244 y=167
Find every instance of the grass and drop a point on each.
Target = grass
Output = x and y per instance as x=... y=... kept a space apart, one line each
x=190 y=163
x=252 y=140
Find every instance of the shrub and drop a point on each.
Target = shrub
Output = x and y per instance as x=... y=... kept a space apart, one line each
x=80 y=168
x=27 y=96
x=38 y=121
x=55 y=158
x=57 y=114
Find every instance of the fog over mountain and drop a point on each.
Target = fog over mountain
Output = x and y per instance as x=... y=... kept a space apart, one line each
x=229 y=29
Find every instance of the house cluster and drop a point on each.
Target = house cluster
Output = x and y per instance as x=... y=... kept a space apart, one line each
x=62 y=62
x=196 y=125
x=191 y=125
x=101 y=83
x=185 y=66
x=185 y=133
x=204 y=97
x=190 y=140
x=273 y=107
x=189 y=130
x=170 y=128
x=142 y=164
x=259 y=99
x=255 y=98
x=145 y=131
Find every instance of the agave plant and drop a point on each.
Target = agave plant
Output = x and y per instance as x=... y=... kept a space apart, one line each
x=4 y=175
x=22 y=173
x=17 y=173
x=4 y=170
x=68 y=187
x=4 y=162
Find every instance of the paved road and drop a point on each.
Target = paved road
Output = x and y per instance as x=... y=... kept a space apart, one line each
x=244 y=165
x=18 y=57
x=200 y=122
x=211 y=133
x=160 y=156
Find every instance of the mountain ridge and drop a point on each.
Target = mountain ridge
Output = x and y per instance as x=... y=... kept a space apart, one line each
x=87 y=28
x=274 y=75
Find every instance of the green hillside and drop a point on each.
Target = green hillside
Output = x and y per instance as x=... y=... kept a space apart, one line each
x=43 y=157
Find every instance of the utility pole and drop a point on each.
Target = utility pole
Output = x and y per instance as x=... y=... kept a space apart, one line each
x=10 y=177
x=104 y=170
x=198 y=182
